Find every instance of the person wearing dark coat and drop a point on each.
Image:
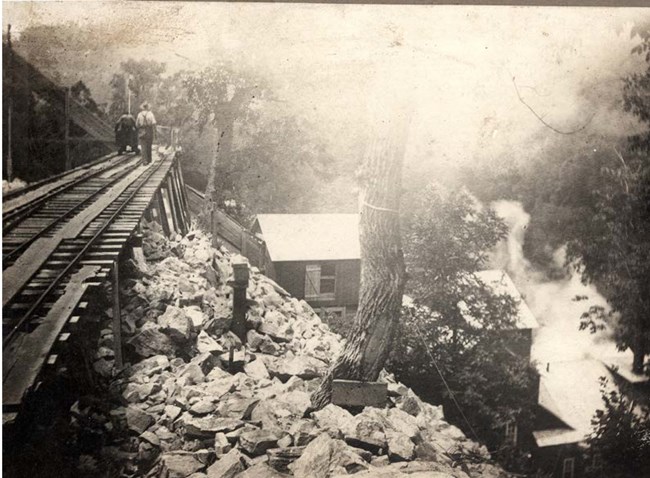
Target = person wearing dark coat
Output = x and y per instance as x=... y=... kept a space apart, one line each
x=126 y=134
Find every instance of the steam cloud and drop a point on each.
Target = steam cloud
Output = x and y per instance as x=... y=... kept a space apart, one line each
x=552 y=301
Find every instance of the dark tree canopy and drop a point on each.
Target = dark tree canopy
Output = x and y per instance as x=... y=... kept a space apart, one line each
x=447 y=240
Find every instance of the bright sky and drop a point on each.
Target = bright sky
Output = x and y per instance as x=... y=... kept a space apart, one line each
x=331 y=62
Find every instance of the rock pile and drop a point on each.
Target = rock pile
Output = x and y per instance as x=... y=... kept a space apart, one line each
x=195 y=402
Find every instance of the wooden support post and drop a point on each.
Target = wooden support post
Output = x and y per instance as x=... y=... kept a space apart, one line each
x=167 y=211
x=239 y=285
x=181 y=179
x=9 y=166
x=213 y=229
x=181 y=196
x=68 y=159
x=10 y=161
x=162 y=215
x=117 y=318
x=175 y=203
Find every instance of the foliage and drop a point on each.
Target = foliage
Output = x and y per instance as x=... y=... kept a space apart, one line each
x=82 y=94
x=447 y=239
x=614 y=244
x=253 y=156
x=143 y=79
x=621 y=435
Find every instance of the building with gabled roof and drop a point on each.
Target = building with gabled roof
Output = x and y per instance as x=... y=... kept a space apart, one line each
x=315 y=257
x=569 y=395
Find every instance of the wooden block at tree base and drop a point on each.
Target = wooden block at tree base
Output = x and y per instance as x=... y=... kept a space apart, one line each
x=351 y=393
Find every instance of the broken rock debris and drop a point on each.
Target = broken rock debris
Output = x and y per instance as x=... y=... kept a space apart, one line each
x=196 y=402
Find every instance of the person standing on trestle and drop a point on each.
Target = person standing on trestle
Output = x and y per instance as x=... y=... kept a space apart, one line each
x=146 y=124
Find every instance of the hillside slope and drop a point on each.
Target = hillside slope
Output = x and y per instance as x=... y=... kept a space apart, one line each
x=178 y=411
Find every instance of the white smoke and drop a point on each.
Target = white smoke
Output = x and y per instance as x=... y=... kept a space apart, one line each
x=552 y=301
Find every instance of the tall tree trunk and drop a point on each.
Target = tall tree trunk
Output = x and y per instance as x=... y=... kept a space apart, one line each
x=224 y=146
x=382 y=261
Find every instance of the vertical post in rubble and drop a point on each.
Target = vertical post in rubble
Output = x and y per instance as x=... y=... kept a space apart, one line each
x=117 y=318
x=239 y=285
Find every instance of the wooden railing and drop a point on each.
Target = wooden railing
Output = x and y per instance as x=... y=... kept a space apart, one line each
x=232 y=235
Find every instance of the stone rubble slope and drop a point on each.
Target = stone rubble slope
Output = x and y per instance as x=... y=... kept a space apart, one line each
x=182 y=410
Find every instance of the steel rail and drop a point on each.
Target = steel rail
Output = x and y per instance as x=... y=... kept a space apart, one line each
x=12 y=218
x=39 y=301
x=22 y=246
x=30 y=187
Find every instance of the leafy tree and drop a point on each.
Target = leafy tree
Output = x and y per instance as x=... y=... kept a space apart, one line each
x=447 y=240
x=143 y=78
x=621 y=436
x=223 y=99
x=614 y=249
x=613 y=246
x=82 y=94
x=249 y=155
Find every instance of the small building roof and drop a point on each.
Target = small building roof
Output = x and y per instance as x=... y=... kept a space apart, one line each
x=621 y=365
x=310 y=237
x=501 y=284
x=570 y=390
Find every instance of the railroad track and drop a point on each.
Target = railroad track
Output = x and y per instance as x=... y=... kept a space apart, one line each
x=49 y=212
x=53 y=259
x=17 y=203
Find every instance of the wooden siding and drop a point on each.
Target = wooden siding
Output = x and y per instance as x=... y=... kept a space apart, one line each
x=291 y=276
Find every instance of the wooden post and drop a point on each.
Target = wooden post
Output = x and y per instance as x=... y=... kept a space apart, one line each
x=185 y=210
x=117 y=318
x=9 y=166
x=239 y=285
x=176 y=200
x=162 y=214
x=213 y=228
x=68 y=159
x=167 y=210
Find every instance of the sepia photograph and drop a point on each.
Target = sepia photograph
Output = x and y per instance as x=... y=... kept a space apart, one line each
x=312 y=240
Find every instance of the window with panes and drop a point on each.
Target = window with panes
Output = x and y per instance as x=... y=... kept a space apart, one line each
x=320 y=281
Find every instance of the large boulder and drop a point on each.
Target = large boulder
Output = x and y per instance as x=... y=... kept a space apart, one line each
x=208 y=426
x=326 y=456
x=152 y=341
x=138 y=420
x=275 y=325
x=196 y=316
x=151 y=366
x=206 y=344
x=256 y=369
x=176 y=324
x=280 y=412
x=228 y=466
x=400 y=446
x=180 y=464
x=237 y=405
x=256 y=442
x=334 y=420
x=302 y=366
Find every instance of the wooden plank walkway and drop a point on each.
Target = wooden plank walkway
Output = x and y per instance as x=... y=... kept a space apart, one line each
x=17 y=275
x=23 y=360
x=115 y=216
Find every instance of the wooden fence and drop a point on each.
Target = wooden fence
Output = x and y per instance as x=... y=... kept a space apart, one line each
x=232 y=234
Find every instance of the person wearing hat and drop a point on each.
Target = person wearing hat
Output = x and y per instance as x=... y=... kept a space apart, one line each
x=146 y=124
x=125 y=133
